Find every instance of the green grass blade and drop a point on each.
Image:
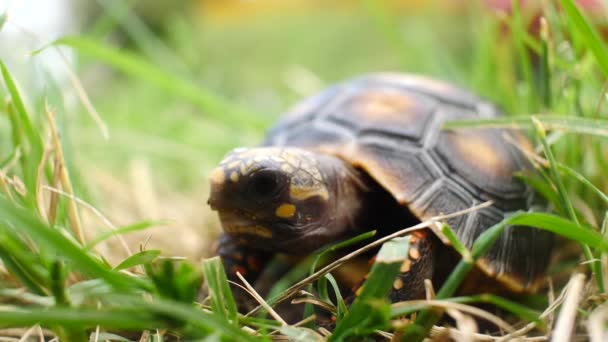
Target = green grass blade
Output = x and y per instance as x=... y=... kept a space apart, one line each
x=141 y=258
x=549 y=222
x=573 y=124
x=545 y=90
x=322 y=255
x=365 y=316
x=561 y=190
x=211 y=104
x=565 y=199
x=22 y=272
x=519 y=31
x=588 y=33
x=341 y=305
x=3 y=18
x=456 y=244
x=343 y=244
x=31 y=144
x=579 y=177
x=8 y=159
x=568 y=229
x=123 y=230
x=515 y=308
x=544 y=188
x=52 y=239
x=209 y=322
x=81 y=318
x=220 y=294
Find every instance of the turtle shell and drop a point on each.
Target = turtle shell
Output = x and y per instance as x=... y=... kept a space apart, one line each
x=390 y=126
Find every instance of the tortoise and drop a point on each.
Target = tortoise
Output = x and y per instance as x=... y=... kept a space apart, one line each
x=370 y=153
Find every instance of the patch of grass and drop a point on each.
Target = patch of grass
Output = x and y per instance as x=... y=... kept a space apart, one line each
x=550 y=83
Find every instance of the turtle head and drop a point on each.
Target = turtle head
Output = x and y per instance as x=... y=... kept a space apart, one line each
x=280 y=199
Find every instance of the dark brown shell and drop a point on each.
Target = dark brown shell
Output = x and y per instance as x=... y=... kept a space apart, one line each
x=390 y=126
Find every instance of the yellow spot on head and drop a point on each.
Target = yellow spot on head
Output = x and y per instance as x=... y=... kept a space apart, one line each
x=234 y=177
x=398 y=284
x=218 y=176
x=285 y=210
x=304 y=192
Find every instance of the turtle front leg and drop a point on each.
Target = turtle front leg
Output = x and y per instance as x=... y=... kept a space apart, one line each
x=249 y=262
x=409 y=283
x=420 y=265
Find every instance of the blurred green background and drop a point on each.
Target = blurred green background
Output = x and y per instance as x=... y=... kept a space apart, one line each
x=253 y=59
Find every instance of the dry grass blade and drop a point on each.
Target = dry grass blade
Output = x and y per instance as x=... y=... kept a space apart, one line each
x=145 y=336
x=441 y=332
x=438 y=333
x=4 y=186
x=16 y=334
x=567 y=316
x=548 y=313
x=429 y=290
x=332 y=266
x=499 y=322
x=96 y=335
x=261 y=300
x=95 y=212
x=39 y=178
x=65 y=178
x=27 y=334
x=54 y=198
x=314 y=301
x=324 y=332
x=466 y=326
x=305 y=321
x=597 y=324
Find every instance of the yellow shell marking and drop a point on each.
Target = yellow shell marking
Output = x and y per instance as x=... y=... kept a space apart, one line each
x=476 y=150
x=304 y=192
x=218 y=176
x=285 y=210
x=385 y=105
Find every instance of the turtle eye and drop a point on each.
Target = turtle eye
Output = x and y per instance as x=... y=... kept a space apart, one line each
x=264 y=184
